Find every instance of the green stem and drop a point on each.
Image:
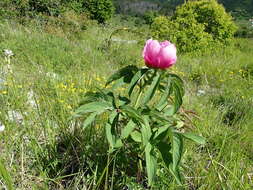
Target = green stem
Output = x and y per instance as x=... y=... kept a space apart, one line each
x=139 y=96
x=107 y=172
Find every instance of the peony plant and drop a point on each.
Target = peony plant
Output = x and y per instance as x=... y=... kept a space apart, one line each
x=146 y=113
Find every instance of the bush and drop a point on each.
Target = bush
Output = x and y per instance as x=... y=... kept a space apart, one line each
x=30 y=7
x=7 y=9
x=196 y=25
x=150 y=16
x=100 y=10
x=186 y=33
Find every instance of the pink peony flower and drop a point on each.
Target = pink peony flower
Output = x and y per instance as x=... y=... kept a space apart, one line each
x=159 y=55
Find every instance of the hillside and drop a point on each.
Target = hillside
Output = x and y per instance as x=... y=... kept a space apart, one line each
x=242 y=7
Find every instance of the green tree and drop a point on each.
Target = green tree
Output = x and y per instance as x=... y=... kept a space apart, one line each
x=196 y=25
x=100 y=10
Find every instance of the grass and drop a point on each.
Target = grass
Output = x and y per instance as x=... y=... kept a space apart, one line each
x=43 y=148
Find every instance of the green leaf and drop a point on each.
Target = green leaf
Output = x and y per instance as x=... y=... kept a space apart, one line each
x=136 y=79
x=179 y=124
x=159 y=115
x=161 y=133
x=110 y=137
x=176 y=87
x=131 y=112
x=148 y=95
x=178 y=96
x=118 y=143
x=93 y=107
x=127 y=73
x=128 y=129
x=177 y=149
x=111 y=134
x=6 y=177
x=167 y=92
x=114 y=142
x=169 y=111
x=98 y=96
x=120 y=82
x=123 y=101
x=89 y=120
x=150 y=163
x=176 y=174
x=146 y=131
x=195 y=138
x=176 y=79
x=113 y=117
x=165 y=148
x=136 y=136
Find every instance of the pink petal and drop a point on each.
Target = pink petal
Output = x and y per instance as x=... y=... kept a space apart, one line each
x=167 y=56
x=152 y=52
x=145 y=47
x=165 y=43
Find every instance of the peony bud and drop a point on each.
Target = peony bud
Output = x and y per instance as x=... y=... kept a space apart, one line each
x=159 y=55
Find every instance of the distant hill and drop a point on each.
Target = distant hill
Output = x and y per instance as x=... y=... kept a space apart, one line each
x=239 y=7
x=141 y=6
x=236 y=7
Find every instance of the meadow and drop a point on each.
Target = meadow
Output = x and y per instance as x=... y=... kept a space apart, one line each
x=43 y=147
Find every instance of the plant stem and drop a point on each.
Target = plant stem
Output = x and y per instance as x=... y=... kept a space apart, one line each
x=107 y=172
x=139 y=96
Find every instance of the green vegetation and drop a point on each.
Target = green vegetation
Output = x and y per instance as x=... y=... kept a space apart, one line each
x=196 y=25
x=100 y=10
x=58 y=59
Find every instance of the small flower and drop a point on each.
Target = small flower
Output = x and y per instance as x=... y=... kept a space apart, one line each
x=201 y=92
x=2 y=127
x=8 y=53
x=3 y=92
x=159 y=55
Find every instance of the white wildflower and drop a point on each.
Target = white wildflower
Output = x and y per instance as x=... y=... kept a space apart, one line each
x=201 y=92
x=2 y=127
x=8 y=53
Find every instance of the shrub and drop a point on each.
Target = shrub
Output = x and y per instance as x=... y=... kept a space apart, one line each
x=196 y=25
x=150 y=16
x=186 y=33
x=7 y=10
x=100 y=10
x=50 y=7
x=31 y=7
